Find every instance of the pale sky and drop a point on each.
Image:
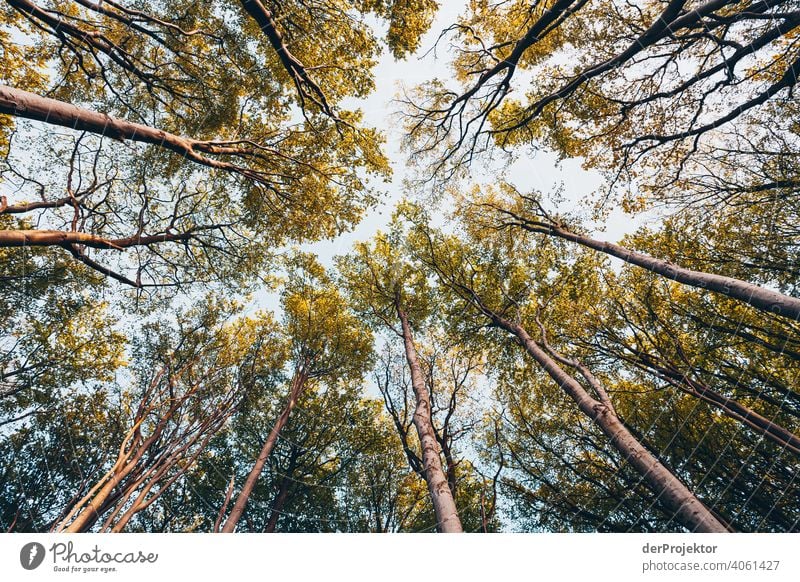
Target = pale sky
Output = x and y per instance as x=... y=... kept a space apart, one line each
x=541 y=172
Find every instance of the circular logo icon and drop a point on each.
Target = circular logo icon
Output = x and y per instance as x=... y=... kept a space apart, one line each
x=31 y=555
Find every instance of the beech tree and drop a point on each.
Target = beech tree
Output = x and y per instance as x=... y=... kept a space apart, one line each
x=189 y=391
x=668 y=366
x=499 y=356
x=486 y=277
x=193 y=138
x=452 y=376
x=324 y=339
x=674 y=383
x=394 y=295
x=526 y=213
x=647 y=91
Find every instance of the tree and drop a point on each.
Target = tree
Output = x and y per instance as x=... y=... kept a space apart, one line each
x=648 y=90
x=453 y=376
x=392 y=294
x=324 y=339
x=485 y=278
x=737 y=289
x=697 y=397
x=496 y=358
x=195 y=139
x=188 y=392
x=525 y=212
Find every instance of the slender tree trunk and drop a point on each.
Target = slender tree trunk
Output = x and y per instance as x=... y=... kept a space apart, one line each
x=450 y=465
x=759 y=297
x=444 y=506
x=94 y=503
x=97 y=505
x=277 y=506
x=298 y=384
x=731 y=408
x=670 y=490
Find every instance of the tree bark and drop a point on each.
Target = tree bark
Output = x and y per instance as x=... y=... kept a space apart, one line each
x=277 y=506
x=65 y=238
x=763 y=299
x=444 y=506
x=450 y=465
x=298 y=384
x=21 y=103
x=670 y=490
x=94 y=503
x=730 y=407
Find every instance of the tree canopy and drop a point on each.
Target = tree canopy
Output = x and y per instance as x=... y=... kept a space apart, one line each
x=177 y=354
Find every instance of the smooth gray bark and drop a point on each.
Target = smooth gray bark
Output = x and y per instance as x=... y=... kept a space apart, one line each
x=670 y=491
x=759 y=297
x=444 y=505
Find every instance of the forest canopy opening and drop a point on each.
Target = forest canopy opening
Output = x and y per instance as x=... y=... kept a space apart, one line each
x=547 y=283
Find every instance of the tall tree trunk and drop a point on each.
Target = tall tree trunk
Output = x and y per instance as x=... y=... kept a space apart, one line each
x=95 y=502
x=759 y=297
x=21 y=103
x=669 y=490
x=444 y=505
x=730 y=407
x=298 y=384
x=277 y=506
x=43 y=238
